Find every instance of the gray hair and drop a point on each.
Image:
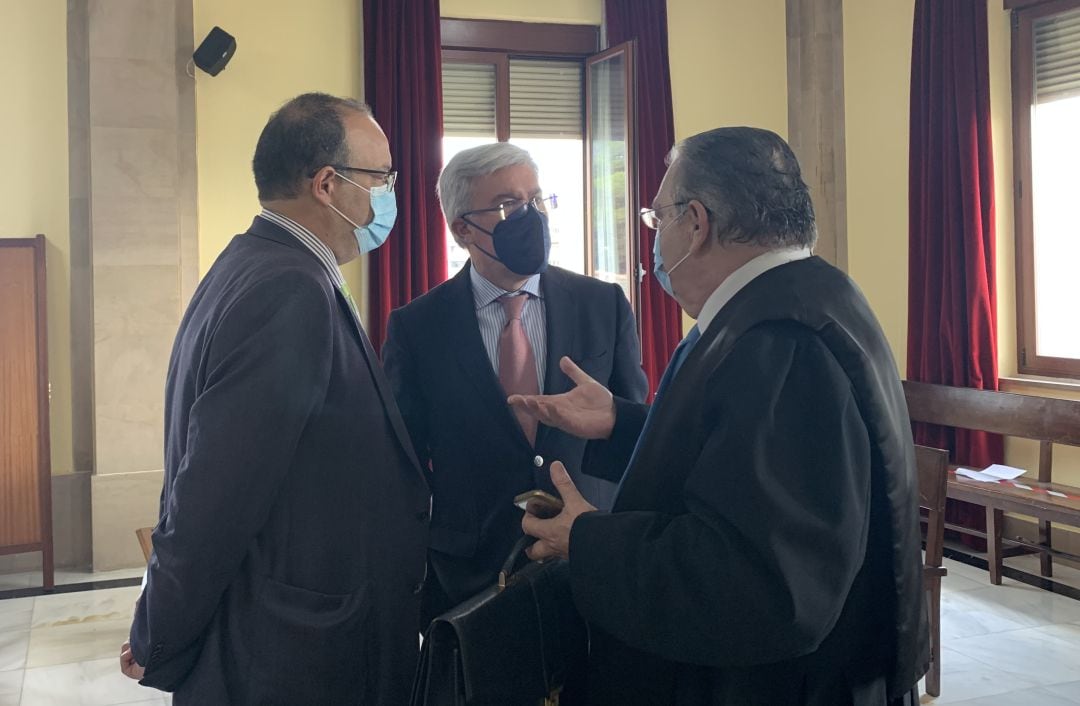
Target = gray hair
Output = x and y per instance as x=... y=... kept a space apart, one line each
x=751 y=184
x=456 y=180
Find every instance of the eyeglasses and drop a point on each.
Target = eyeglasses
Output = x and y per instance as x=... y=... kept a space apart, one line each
x=388 y=178
x=651 y=220
x=514 y=208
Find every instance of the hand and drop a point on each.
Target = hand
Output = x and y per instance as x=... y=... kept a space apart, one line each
x=587 y=411
x=553 y=536
x=128 y=665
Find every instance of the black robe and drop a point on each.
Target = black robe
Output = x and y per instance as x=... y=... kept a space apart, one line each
x=764 y=547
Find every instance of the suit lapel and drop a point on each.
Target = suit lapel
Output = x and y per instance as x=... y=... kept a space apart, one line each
x=382 y=384
x=271 y=231
x=561 y=325
x=464 y=333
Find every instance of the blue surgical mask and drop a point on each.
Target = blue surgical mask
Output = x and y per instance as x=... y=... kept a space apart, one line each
x=664 y=276
x=384 y=213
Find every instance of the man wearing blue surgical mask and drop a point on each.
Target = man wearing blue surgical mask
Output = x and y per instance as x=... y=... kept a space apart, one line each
x=500 y=327
x=290 y=552
x=763 y=547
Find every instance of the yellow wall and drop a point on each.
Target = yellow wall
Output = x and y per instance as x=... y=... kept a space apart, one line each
x=585 y=12
x=728 y=64
x=743 y=43
x=325 y=54
x=877 y=60
x=1001 y=117
x=728 y=67
x=34 y=178
x=728 y=57
x=1020 y=453
x=877 y=80
x=284 y=48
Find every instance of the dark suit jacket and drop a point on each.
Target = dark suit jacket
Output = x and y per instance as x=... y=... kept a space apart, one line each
x=457 y=415
x=764 y=548
x=291 y=546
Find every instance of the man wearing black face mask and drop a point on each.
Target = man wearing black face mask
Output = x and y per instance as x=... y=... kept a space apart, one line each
x=500 y=327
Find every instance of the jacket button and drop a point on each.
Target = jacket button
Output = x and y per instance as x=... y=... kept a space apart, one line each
x=418 y=588
x=538 y=461
x=422 y=516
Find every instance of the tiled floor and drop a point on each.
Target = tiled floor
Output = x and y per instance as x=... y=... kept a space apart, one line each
x=63 y=650
x=62 y=577
x=1009 y=645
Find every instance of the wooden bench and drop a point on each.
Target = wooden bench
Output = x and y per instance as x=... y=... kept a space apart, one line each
x=1047 y=421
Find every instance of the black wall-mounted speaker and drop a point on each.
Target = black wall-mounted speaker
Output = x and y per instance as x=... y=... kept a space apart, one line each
x=215 y=51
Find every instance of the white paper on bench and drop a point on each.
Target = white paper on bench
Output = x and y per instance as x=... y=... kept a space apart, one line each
x=1003 y=472
x=975 y=475
x=991 y=474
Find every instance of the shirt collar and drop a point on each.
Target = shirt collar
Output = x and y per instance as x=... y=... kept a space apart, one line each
x=309 y=240
x=485 y=292
x=743 y=276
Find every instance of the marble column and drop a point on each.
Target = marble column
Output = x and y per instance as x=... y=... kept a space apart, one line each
x=139 y=263
x=815 y=56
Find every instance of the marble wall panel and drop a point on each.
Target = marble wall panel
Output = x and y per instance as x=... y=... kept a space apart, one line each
x=122 y=503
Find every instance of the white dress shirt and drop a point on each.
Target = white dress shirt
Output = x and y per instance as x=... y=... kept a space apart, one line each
x=742 y=277
x=492 y=318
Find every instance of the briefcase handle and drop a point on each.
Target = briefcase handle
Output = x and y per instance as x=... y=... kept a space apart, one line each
x=507 y=570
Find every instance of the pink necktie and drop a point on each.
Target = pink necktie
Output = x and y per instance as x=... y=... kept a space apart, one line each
x=517 y=364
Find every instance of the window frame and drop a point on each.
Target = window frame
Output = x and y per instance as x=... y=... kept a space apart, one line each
x=637 y=274
x=496 y=42
x=501 y=62
x=520 y=38
x=1024 y=15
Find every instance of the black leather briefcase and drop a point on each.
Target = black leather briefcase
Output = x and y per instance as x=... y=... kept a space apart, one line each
x=520 y=642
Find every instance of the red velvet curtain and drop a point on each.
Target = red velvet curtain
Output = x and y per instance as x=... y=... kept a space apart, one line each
x=646 y=21
x=952 y=315
x=403 y=86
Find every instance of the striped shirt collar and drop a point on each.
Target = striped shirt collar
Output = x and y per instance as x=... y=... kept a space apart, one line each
x=485 y=292
x=317 y=247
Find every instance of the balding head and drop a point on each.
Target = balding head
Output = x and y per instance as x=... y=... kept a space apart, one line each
x=305 y=135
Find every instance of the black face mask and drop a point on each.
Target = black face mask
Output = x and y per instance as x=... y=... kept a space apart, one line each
x=522 y=241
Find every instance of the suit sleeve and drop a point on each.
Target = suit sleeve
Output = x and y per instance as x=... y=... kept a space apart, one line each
x=400 y=367
x=759 y=566
x=608 y=458
x=268 y=368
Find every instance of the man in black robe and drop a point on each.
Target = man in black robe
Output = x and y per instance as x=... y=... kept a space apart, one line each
x=763 y=547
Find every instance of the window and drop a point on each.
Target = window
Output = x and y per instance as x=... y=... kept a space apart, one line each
x=1046 y=123
x=613 y=209
x=543 y=102
x=544 y=88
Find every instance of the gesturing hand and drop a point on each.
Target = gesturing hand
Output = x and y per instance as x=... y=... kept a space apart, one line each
x=587 y=411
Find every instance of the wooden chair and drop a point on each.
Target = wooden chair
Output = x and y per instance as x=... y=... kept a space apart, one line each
x=144 y=534
x=933 y=471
